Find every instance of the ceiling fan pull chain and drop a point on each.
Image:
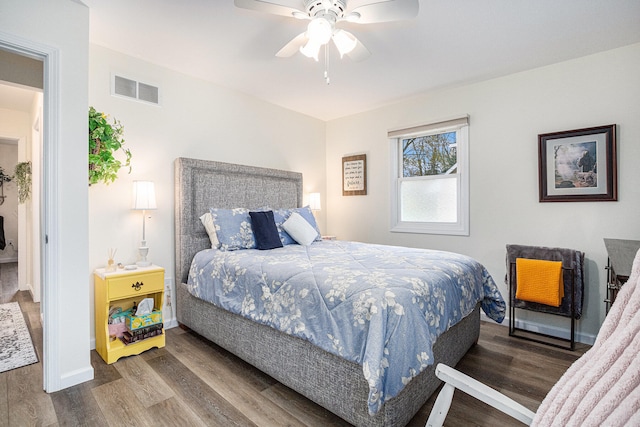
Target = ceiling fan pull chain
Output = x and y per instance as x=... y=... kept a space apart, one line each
x=326 y=63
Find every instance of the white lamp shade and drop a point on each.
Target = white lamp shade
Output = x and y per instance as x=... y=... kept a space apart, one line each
x=144 y=195
x=344 y=41
x=310 y=50
x=314 y=201
x=319 y=31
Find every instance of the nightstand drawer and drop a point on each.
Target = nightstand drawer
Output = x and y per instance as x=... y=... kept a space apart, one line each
x=141 y=284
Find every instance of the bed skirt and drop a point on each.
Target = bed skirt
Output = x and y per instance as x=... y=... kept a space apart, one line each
x=330 y=381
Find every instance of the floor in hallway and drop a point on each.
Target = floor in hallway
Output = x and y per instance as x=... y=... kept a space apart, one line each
x=8 y=281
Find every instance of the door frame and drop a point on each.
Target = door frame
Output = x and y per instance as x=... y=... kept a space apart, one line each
x=49 y=205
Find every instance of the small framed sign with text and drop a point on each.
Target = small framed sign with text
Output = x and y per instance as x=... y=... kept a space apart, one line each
x=354 y=175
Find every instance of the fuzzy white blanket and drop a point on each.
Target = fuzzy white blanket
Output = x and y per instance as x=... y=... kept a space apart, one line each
x=602 y=388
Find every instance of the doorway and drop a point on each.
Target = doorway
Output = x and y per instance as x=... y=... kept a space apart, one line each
x=20 y=145
x=23 y=92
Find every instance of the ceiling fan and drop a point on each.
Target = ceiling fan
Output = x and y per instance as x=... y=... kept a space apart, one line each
x=324 y=15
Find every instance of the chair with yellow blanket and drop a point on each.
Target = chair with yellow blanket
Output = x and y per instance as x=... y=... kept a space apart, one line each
x=547 y=280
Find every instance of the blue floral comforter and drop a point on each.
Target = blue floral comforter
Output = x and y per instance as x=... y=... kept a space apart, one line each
x=382 y=307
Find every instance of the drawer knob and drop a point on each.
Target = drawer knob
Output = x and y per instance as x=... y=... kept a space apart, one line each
x=137 y=286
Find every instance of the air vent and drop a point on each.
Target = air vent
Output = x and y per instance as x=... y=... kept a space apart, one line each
x=135 y=90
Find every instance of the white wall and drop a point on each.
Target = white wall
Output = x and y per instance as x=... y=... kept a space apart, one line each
x=196 y=119
x=30 y=257
x=61 y=27
x=14 y=125
x=506 y=116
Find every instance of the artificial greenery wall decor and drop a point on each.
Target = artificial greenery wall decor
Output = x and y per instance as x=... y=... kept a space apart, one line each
x=105 y=139
x=23 y=180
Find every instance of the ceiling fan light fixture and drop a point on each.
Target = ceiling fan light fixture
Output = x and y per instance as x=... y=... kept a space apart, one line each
x=311 y=50
x=319 y=31
x=345 y=42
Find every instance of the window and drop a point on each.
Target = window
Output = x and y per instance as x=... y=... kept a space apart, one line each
x=430 y=178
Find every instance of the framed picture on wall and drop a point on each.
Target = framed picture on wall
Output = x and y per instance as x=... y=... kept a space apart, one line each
x=578 y=165
x=354 y=175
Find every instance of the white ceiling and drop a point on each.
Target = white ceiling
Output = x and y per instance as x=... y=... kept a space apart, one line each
x=18 y=98
x=451 y=42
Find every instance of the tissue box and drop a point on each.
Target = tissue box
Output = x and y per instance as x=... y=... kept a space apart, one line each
x=134 y=322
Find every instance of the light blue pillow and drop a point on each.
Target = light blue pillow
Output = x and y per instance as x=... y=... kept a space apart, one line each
x=281 y=215
x=233 y=228
x=307 y=214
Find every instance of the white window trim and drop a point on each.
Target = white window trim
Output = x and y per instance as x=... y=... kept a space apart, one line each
x=461 y=226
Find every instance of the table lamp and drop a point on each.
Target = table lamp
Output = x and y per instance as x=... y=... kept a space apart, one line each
x=314 y=201
x=144 y=198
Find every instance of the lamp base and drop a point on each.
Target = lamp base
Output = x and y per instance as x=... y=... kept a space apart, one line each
x=143 y=250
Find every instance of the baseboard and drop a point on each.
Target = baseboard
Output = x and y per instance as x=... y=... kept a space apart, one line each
x=33 y=295
x=171 y=323
x=545 y=329
x=76 y=377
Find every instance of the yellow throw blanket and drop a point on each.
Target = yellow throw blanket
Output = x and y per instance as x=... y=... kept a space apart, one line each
x=539 y=281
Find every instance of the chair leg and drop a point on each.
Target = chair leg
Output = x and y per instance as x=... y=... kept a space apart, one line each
x=455 y=379
x=441 y=407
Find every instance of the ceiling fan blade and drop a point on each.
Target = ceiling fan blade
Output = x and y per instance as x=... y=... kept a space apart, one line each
x=359 y=53
x=386 y=11
x=283 y=8
x=293 y=46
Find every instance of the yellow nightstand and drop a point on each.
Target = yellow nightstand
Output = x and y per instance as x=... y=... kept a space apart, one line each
x=122 y=288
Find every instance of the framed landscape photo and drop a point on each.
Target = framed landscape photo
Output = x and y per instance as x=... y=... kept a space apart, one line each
x=578 y=165
x=354 y=175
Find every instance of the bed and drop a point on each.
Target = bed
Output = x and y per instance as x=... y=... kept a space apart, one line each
x=335 y=382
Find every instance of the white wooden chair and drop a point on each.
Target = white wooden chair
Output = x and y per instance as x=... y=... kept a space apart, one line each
x=601 y=388
x=454 y=379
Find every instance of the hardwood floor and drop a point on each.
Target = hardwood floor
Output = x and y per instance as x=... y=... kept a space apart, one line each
x=8 y=281
x=192 y=382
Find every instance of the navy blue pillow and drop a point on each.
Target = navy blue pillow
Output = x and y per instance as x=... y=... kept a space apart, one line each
x=265 y=230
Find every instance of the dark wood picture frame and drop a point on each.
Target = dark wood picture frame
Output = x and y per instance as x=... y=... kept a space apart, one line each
x=578 y=165
x=354 y=175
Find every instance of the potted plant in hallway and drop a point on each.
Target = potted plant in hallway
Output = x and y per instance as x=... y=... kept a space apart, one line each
x=105 y=139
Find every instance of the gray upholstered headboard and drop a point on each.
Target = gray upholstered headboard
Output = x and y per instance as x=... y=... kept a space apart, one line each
x=202 y=184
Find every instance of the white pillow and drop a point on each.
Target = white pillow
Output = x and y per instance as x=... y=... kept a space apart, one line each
x=300 y=229
x=207 y=221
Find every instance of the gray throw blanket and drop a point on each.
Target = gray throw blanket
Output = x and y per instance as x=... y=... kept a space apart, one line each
x=571 y=259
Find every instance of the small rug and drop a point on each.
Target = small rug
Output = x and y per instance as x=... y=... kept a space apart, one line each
x=16 y=348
